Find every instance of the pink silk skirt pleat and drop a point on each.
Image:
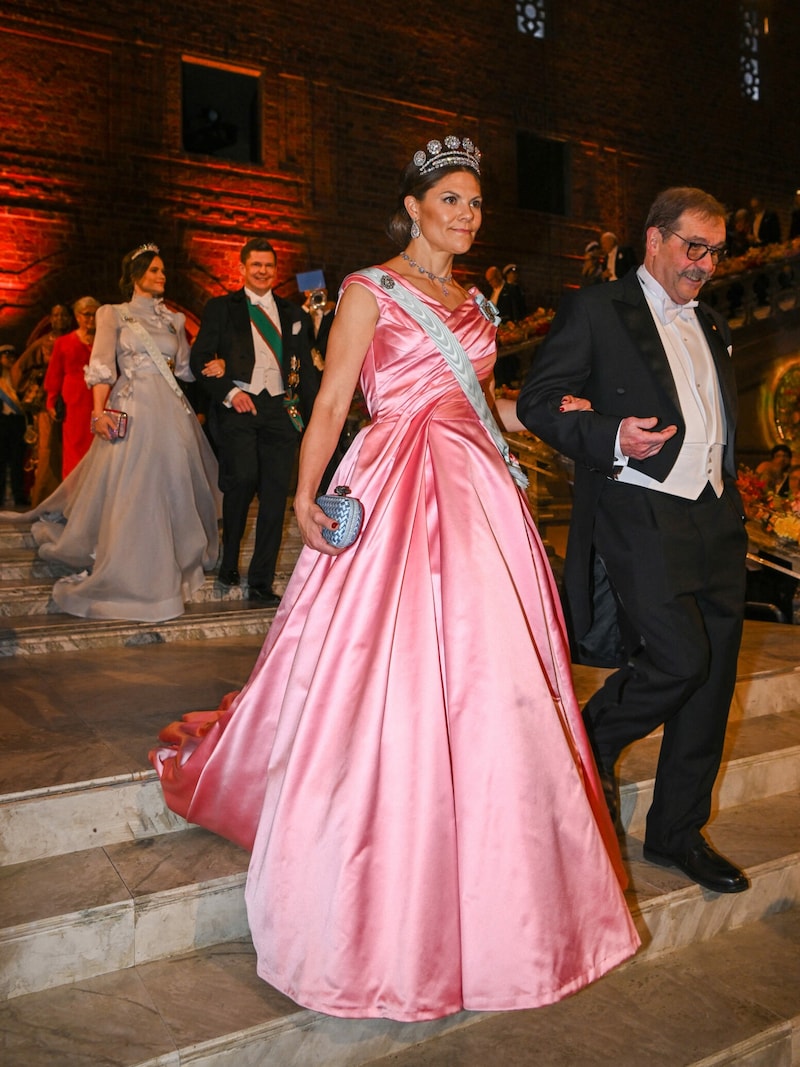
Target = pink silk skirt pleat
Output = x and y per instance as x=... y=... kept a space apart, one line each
x=407 y=761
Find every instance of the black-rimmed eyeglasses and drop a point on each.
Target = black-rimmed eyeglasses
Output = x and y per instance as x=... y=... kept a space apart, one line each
x=695 y=250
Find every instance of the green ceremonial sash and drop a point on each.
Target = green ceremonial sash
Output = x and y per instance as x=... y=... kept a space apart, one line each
x=273 y=340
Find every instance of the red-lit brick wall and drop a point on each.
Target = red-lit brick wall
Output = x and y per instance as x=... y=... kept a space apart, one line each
x=91 y=162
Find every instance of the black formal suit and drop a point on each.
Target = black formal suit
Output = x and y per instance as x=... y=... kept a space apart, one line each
x=256 y=451
x=675 y=566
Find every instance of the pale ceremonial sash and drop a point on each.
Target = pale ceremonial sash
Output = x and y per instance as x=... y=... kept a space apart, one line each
x=155 y=354
x=456 y=358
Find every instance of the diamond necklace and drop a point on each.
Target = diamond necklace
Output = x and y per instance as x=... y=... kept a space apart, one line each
x=444 y=282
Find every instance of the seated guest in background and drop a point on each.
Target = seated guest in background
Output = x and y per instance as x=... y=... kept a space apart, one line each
x=739 y=238
x=65 y=382
x=766 y=224
x=12 y=430
x=774 y=471
x=794 y=224
x=618 y=260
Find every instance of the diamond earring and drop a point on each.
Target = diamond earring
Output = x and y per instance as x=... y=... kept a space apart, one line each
x=415 y=230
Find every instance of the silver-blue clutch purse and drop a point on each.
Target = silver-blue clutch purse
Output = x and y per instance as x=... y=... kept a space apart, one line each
x=347 y=511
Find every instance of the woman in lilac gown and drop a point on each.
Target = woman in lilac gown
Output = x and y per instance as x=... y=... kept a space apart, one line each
x=407 y=762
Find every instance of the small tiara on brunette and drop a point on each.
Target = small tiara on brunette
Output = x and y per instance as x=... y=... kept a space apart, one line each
x=140 y=251
x=453 y=152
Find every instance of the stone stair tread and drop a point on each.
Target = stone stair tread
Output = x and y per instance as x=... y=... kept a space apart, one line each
x=732 y=1000
x=31 y=596
x=148 y=1013
x=739 y=991
x=761 y=757
x=55 y=631
x=762 y=737
x=771 y=744
x=759 y=836
x=78 y=881
x=72 y=917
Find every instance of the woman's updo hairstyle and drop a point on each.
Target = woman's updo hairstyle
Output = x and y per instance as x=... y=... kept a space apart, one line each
x=134 y=265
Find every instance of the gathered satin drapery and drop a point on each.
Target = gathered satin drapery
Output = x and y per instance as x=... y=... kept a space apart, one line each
x=407 y=761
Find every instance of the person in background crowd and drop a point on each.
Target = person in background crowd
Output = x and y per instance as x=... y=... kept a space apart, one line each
x=592 y=269
x=44 y=429
x=65 y=381
x=617 y=261
x=794 y=224
x=511 y=300
x=739 y=235
x=137 y=519
x=437 y=815
x=321 y=311
x=264 y=384
x=510 y=304
x=12 y=431
x=774 y=471
x=495 y=281
x=766 y=224
x=656 y=511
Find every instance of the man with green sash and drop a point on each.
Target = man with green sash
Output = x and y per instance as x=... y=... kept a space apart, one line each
x=263 y=386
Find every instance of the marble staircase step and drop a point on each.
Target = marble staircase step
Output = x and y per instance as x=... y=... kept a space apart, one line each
x=54 y=820
x=31 y=635
x=16 y=536
x=762 y=836
x=74 y=916
x=21 y=564
x=207 y=1008
x=32 y=596
x=731 y=999
x=68 y=917
x=761 y=758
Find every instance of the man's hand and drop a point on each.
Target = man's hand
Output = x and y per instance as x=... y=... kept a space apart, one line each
x=243 y=403
x=638 y=439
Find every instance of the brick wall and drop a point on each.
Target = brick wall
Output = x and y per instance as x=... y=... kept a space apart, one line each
x=91 y=160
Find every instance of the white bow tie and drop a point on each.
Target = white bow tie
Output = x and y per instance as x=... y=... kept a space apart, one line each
x=672 y=310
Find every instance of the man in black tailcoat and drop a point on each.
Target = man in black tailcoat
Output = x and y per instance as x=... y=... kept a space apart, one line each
x=656 y=515
x=263 y=395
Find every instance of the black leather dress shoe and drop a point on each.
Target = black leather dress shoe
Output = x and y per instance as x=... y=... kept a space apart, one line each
x=263 y=595
x=226 y=577
x=704 y=866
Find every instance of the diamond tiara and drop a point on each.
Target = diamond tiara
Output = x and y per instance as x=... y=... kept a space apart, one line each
x=453 y=152
x=140 y=251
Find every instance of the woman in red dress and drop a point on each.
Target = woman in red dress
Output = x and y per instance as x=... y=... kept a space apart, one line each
x=65 y=378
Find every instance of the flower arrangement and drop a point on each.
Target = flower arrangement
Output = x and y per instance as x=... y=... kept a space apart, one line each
x=777 y=515
x=759 y=256
x=535 y=325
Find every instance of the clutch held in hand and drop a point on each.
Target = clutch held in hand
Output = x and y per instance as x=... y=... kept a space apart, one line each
x=347 y=510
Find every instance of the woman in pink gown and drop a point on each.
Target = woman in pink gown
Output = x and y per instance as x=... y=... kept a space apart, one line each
x=407 y=761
